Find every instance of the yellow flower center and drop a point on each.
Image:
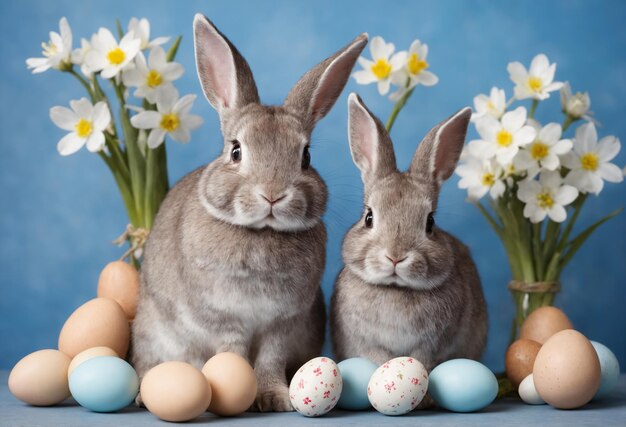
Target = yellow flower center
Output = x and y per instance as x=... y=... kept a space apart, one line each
x=504 y=138
x=544 y=200
x=154 y=79
x=170 y=122
x=49 y=49
x=589 y=161
x=539 y=150
x=535 y=84
x=488 y=179
x=83 y=128
x=381 y=69
x=415 y=64
x=116 y=56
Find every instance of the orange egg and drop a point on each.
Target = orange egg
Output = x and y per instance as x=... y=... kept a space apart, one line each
x=567 y=370
x=233 y=383
x=99 y=322
x=544 y=322
x=41 y=378
x=120 y=281
x=520 y=358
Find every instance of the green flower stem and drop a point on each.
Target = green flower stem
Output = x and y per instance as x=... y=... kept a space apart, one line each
x=117 y=156
x=85 y=84
x=124 y=188
x=171 y=52
x=533 y=108
x=567 y=122
x=397 y=108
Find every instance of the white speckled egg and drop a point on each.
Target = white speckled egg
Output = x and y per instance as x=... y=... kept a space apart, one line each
x=398 y=386
x=528 y=392
x=316 y=387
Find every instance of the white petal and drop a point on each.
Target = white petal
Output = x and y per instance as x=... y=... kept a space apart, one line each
x=156 y=137
x=517 y=72
x=133 y=78
x=523 y=160
x=159 y=41
x=529 y=210
x=475 y=193
x=488 y=127
x=608 y=147
x=380 y=49
x=427 y=78
x=191 y=122
x=550 y=133
x=497 y=190
x=610 y=172
x=570 y=160
x=527 y=190
x=383 y=86
x=522 y=92
x=64 y=118
x=172 y=71
x=514 y=120
x=156 y=60
x=146 y=120
x=552 y=87
x=566 y=195
x=562 y=147
x=538 y=65
x=95 y=142
x=398 y=60
x=184 y=104
x=363 y=77
x=110 y=72
x=101 y=116
x=525 y=135
x=506 y=155
x=550 y=162
x=166 y=98
x=82 y=107
x=70 y=144
x=481 y=149
x=181 y=135
x=537 y=215
x=586 y=138
x=557 y=213
x=365 y=63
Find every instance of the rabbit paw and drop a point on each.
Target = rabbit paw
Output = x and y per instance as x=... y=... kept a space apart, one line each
x=139 y=401
x=275 y=399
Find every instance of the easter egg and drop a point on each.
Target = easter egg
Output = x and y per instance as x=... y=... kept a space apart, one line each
x=609 y=370
x=316 y=386
x=104 y=384
x=90 y=353
x=542 y=323
x=99 y=322
x=567 y=370
x=520 y=358
x=463 y=385
x=528 y=393
x=355 y=374
x=175 y=391
x=233 y=383
x=398 y=386
x=40 y=378
x=120 y=282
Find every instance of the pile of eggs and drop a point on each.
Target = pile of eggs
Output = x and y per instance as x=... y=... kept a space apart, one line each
x=555 y=364
x=89 y=364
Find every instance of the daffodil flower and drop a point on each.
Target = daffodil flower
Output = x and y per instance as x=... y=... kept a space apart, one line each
x=493 y=105
x=86 y=123
x=589 y=161
x=537 y=82
x=382 y=66
x=480 y=177
x=575 y=105
x=56 y=53
x=171 y=118
x=503 y=138
x=141 y=30
x=154 y=76
x=544 y=151
x=546 y=197
x=414 y=72
x=110 y=57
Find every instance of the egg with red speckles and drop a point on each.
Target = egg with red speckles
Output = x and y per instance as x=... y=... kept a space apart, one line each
x=398 y=386
x=316 y=387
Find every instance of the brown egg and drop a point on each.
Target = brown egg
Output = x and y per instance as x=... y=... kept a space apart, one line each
x=99 y=322
x=41 y=378
x=175 y=391
x=520 y=358
x=120 y=281
x=544 y=322
x=90 y=353
x=567 y=370
x=233 y=383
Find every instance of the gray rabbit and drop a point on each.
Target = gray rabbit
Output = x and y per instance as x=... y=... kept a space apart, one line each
x=235 y=258
x=408 y=288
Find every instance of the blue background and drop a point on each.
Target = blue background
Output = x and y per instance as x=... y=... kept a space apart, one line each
x=59 y=215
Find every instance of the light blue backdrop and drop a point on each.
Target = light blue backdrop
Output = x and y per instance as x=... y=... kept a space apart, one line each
x=59 y=215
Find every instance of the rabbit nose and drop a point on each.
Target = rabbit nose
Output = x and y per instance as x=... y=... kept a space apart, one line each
x=395 y=261
x=271 y=200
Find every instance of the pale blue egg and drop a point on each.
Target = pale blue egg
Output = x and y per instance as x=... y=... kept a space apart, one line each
x=462 y=385
x=355 y=373
x=104 y=384
x=609 y=367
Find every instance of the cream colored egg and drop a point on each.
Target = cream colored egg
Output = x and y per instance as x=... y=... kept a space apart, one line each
x=233 y=383
x=120 y=282
x=528 y=393
x=40 y=378
x=175 y=391
x=99 y=322
x=90 y=353
x=544 y=322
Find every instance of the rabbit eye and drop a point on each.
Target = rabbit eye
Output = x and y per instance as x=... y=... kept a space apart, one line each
x=306 y=158
x=430 y=223
x=235 y=152
x=369 y=219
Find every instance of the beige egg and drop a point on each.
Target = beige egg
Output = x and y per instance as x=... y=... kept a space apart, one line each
x=90 y=353
x=120 y=281
x=233 y=383
x=99 y=322
x=175 y=391
x=544 y=322
x=40 y=378
x=520 y=358
x=567 y=370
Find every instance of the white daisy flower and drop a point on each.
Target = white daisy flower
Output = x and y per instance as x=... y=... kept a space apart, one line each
x=384 y=64
x=141 y=30
x=537 y=82
x=502 y=138
x=152 y=77
x=546 y=197
x=86 y=122
x=544 y=151
x=493 y=105
x=57 y=52
x=172 y=117
x=414 y=71
x=589 y=160
x=480 y=177
x=575 y=105
x=79 y=56
x=110 y=57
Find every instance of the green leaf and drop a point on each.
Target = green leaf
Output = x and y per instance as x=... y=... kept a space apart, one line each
x=118 y=25
x=492 y=222
x=171 y=52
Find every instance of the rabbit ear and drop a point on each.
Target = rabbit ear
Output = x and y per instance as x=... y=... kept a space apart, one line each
x=438 y=153
x=370 y=144
x=224 y=74
x=316 y=92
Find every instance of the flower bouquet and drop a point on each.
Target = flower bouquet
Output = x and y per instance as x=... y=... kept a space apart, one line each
x=134 y=151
